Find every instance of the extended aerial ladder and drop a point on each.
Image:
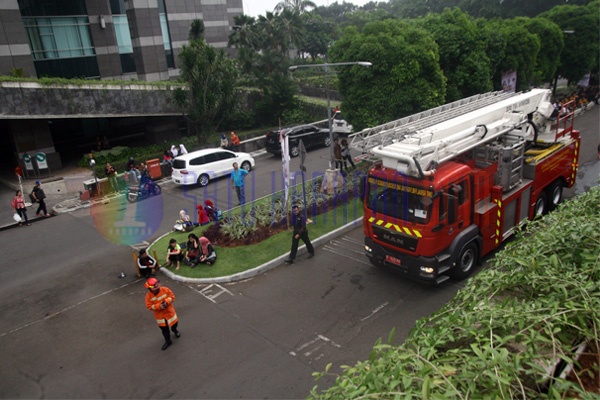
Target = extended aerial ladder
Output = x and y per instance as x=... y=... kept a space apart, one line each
x=418 y=143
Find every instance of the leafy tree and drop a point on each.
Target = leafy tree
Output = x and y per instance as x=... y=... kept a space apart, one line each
x=296 y=6
x=462 y=53
x=479 y=8
x=318 y=34
x=336 y=12
x=245 y=38
x=263 y=52
x=551 y=40
x=405 y=77
x=360 y=18
x=581 y=26
x=211 y=79
x=196 y=30
x=520 y=52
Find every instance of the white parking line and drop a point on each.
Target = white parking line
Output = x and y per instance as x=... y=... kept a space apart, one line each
x=345 y=254
x=375 y=311
x=139 y=246
x=212 y=291
x=313 y=345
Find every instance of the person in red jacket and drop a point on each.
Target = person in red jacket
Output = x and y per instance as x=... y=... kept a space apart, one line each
x=159 y=299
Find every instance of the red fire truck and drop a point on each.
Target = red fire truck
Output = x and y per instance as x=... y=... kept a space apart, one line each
x=449 y=185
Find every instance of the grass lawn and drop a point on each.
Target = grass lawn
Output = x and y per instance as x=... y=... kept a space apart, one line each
x=232 y=260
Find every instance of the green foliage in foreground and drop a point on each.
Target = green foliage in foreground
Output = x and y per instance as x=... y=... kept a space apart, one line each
x=502 y=334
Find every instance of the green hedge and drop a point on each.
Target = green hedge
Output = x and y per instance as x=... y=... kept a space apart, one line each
x=501 y=336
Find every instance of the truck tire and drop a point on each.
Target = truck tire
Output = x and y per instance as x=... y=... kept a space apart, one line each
x=540 y=208
x=555 y=195
x=466 y=262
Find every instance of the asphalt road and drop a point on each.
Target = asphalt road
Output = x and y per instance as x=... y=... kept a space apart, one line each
x=71 y=328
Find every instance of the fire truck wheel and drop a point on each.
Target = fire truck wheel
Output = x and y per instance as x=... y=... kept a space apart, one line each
x=540 y=206
x=467 y=260
x=555 y=195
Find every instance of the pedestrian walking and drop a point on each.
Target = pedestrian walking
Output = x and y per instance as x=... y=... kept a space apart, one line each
x=337 y=154
x=38 y=196
x=159 y=299
x=18 y=204
x=111 y=175
x=300 y=232
x=237 y=182
x=346 y=156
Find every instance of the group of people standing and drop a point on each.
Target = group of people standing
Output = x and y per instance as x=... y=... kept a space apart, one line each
x=38 y=196
x=341 y=155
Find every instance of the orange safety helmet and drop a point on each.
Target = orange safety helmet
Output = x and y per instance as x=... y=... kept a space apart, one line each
x=151 y=283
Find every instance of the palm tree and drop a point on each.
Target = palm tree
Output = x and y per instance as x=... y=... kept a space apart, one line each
x=296 y=6
x=291 y=26
x=245 y=38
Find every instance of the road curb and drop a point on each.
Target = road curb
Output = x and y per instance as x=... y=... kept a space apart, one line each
x=264 y=267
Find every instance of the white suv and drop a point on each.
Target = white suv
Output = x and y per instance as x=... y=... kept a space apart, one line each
x=200 y=167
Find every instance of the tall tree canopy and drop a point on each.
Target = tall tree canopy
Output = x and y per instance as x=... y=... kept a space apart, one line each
x=462 y=53
x=211 y=77
x=479 y=8
x=520 y=53
x=551 y=47
x=405 y=77
x=581 y=27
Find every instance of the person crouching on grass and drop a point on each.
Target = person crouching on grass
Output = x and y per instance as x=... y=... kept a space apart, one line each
x=174 y=254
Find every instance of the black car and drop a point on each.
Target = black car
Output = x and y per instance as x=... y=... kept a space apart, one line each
x=311 y=137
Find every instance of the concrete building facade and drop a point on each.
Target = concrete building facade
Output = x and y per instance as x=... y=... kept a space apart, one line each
x=106 y=39
x=95 y=39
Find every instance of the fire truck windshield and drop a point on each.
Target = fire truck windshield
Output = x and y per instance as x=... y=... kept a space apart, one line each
x=398 y=201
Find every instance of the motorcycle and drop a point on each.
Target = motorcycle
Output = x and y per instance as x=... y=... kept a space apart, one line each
x=144 y=190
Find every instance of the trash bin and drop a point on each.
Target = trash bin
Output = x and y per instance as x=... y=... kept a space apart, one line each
x=154 y=168
x=165 y=167
x=91 y=186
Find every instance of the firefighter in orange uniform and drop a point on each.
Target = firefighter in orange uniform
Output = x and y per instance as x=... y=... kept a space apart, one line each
x=159 y=299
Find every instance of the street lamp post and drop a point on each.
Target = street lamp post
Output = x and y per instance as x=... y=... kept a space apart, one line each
x=326 y=66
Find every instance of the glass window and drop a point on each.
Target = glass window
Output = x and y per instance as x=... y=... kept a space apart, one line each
x=225 y=155
x=59 y=37
x=164 y=27
x=210 y=158
x=123 y=36
x=198 y=161
x=37 y=8
x=399 y=204
x=117 y=7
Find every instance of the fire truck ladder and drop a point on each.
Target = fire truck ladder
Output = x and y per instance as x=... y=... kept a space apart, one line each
x=388 y=133
x=433 y=140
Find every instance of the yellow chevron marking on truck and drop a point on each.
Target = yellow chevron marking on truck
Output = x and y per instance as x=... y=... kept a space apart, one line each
x=401 y=229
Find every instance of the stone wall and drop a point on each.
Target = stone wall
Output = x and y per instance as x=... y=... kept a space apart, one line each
x=32 y=100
